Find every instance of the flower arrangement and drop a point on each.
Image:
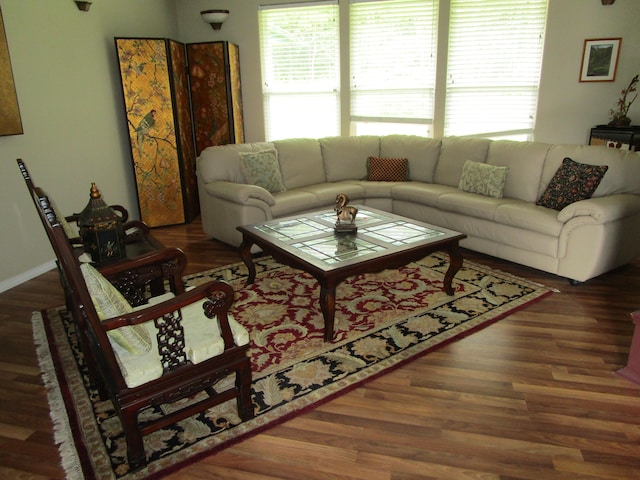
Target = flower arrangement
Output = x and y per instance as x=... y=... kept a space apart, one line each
x=619 y=116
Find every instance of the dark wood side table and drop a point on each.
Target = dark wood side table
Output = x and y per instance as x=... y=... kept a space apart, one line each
x=626 y=138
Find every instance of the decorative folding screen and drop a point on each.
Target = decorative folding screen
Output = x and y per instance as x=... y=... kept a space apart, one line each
x=214 y=70
x=159 y=105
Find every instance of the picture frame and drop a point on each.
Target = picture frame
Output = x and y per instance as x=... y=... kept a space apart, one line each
x=600 y=59
x=10 y=119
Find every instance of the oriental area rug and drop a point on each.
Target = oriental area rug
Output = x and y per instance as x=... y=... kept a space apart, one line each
x=382 y=321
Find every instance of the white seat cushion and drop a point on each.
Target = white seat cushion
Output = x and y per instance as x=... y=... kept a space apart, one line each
x=202 y=341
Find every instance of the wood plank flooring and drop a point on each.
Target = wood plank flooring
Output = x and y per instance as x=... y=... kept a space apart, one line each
x=533 y=396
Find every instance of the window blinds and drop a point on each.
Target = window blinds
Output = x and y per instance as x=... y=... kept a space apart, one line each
x=392 y=60
x=300 y=69
x=493 y=72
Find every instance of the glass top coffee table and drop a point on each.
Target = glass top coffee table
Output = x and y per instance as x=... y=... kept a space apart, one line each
x=383 y=240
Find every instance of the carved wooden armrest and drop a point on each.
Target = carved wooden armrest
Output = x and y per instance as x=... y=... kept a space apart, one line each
x=135 y=231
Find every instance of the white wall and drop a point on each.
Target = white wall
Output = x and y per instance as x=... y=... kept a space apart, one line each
x=66 y=75
x=67 y=81
x=567 y=109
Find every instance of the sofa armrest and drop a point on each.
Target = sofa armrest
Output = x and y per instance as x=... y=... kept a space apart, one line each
x=239 y=192
x=602 y=209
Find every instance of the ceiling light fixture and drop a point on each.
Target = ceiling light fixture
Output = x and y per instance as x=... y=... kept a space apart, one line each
x=84 y=6
x=214 y=17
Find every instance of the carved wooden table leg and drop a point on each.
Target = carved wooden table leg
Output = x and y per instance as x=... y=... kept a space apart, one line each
x=328 y=306
x=245 y=254
x=455 y=264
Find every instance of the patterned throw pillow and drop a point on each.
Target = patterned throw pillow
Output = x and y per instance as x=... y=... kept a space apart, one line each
x=387 y=169
x=109 y=302
x=262 y=169
x=571 y=183
x=487 y=180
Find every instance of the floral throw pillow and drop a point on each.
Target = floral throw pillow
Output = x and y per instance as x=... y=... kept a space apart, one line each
x=262 y=169
x=571 y=183
x=387 y=169
x=487 y=180
x=109 y=302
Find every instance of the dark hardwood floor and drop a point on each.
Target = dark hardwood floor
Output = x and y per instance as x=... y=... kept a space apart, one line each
x=533 y=396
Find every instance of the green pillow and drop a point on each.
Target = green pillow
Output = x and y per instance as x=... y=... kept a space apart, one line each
x=484 y=179
x=109 y=302
x=262 y=169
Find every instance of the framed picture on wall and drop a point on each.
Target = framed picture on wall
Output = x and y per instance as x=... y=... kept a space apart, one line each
x=600 y=59
x=10 y=120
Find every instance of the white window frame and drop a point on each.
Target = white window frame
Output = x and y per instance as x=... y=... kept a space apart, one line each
x=449 y=112
x=392 y=86
x=295 y=104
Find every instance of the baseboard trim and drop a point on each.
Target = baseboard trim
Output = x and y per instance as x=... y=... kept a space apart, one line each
x=26 y=276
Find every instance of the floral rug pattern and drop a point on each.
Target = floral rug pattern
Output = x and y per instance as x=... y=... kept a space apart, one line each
x=382 y=321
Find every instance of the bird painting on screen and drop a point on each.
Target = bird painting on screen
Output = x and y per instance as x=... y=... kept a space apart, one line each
x=142 y=131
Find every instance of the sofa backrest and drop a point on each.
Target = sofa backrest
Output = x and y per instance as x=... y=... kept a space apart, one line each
x=421 y=152
x=453 y=153
x=525 y=161
x=300 y=162
x=345 y=158
x=623 y=174
x=222 y=162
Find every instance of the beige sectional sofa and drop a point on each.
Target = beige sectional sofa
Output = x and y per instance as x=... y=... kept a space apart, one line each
x=580 y=241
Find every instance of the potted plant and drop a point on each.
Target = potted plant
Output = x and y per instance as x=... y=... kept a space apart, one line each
x=618 y=114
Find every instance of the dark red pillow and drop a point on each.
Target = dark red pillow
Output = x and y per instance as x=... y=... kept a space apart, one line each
x=387 y=169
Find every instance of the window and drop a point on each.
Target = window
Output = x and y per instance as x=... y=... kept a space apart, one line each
x=493 y=71
x=300 y=69
x=393 y=61
x=478 y=76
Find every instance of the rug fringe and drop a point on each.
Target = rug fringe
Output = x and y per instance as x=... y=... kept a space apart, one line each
x=63 y=436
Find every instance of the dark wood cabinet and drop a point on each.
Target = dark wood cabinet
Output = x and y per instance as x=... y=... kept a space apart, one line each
x=626 y=138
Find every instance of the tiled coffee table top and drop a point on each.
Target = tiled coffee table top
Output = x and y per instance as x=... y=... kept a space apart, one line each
x=313 y=235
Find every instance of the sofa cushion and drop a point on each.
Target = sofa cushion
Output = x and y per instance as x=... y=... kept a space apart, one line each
x=528 y=216
x=453 y=153
x=421 y=193
x=381 y=169
x=525 y=161
x=377 y=190
x=421 y=152
x=292 y=202
x=571 y=183
x=262 y=169
x=300 y=162
x=109 y=303
x=326 y=193
x=470 y=204
x=345 y=158
x=484 y=179
x=222 y=162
